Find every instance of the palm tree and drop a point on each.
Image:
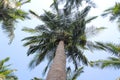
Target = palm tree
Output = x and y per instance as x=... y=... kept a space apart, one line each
x=114 y=13
x=5 y=72
x=10 y=12
x=62 y=35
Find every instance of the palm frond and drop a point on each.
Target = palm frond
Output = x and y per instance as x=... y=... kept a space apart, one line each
x=36 y=15
x=75 y=74
x=37 y=60
x=54 y=5
x=90 y=19
x=111 y=62
x=29 y=30
x=92 y=31
x=111 y=47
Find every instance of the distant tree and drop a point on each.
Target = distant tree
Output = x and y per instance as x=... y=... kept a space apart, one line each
x=10 y=12
x=114 y=13
x=5 y=72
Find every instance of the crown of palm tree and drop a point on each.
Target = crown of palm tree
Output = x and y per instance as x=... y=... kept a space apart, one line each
x=62 y=24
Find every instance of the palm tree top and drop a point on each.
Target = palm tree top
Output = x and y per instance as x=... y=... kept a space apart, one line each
x=62 y=24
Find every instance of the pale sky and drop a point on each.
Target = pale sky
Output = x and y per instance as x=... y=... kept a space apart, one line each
x=20 y=61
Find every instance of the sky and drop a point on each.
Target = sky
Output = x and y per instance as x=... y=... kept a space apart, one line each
x=20 y=60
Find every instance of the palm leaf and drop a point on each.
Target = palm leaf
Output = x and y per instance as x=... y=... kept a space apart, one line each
x=75 y=74
x=111 y=62
x=5 y=71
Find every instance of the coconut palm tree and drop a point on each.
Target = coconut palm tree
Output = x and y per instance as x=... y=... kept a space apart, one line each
x=62 y=37
x=114 y=13
x=10 y=12
x=5 y=72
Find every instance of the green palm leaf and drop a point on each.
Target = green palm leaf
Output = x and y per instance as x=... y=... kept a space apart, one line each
x=5 y=72
x=111 y=62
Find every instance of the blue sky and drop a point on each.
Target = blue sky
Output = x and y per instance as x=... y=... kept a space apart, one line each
x=20 y=61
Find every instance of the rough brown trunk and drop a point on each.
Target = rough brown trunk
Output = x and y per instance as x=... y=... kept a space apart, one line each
x=58 y=68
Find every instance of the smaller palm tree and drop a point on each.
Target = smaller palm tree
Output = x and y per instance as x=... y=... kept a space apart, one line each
x=5 y=72
x=10 y=12
x=114 y=13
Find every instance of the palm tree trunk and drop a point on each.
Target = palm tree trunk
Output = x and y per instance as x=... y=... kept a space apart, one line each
x=58 y=68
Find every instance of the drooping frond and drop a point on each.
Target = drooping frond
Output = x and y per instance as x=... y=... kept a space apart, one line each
x=92 y=31
x=110 y=47
x=30 y=30
x=90 y=19
x=33 y=13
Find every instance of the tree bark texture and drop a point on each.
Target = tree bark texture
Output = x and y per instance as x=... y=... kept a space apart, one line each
x=58 y=68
